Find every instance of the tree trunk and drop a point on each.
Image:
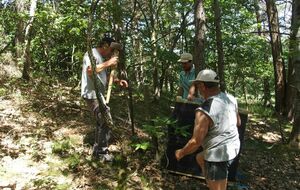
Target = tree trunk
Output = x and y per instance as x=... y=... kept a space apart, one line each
x=154 y=60
x=245 y=91
x=258 y=17
x=295 y=134
x=155 y=65
x=172 y=88
x=279 y=69
x=267 y=93
x=199 y=51
x=19 y=36
x=168 y=65
x=217 y=20
x=118 y=25
x=99 y=87
x=266 y=86
x=141 y=67
x=28 y=35
x=295 y=68
x=137 y=57
x=291 y=90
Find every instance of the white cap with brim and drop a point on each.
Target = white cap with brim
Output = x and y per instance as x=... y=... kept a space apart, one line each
x=207 y=75
x=185 y=57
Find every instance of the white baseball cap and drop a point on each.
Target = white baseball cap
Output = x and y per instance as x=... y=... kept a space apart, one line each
x=207 y=75
x=185 y=57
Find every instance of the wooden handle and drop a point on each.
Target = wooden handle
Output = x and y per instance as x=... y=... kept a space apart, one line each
x=111 y=78
x=110 y=83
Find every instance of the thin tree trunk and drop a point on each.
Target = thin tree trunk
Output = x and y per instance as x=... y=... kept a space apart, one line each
x=166 y=66
x=99 y=87
x=291 y=90
x=28 y=35
x=266 y=86
x=72 y=56
x=279 y=68
x=217 y=20
x=172 y=88
x=267 y=93
x=295 y=70
x=117 y=14
x=295 y=134
x=258 y=17
x=154 y=60
x=19 y=36
x=155 y=65
x=245 y=93
x=199 y=51
x=141 y=74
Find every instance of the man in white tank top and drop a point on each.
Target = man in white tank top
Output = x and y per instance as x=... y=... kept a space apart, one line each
x=103 y=50
x=215 y=130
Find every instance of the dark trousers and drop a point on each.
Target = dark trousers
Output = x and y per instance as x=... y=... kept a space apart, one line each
x=102 y=132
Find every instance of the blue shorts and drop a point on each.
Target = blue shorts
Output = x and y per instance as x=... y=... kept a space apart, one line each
x=217 y=170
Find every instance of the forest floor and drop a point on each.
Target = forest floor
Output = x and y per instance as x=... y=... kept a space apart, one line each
x=46 y=135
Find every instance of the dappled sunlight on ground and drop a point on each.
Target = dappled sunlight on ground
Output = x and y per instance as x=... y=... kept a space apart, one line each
x=46 y=135
x=43 y=131
x=271 y=137
x=266 y=163
x=264 y=131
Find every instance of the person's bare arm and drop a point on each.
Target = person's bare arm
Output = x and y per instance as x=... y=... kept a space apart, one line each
x=192 y=90
x=111 y=62
x=202 y=123
x=122 y=83
x=100 y=67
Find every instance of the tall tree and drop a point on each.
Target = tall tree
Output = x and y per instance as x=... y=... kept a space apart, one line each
x=19 y=35
x=291 y=90
x=294 y=70
x=258 y=17
x=172 y=41
x=217 y=22
x=266 y=81
x=151 y=20
x=278 y=62
x=28 y=35
x=118 y=27
x=200 y=29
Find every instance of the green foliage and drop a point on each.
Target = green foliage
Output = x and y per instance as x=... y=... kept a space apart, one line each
x=73 y=161
x=45 y=183
x=182 y=130
x=2 y=91
x=141 y=146
x=157 y=130
x=158 y=126
x=62 y=147
x=120 y=161
x=153 y=33
x=257 y=108
x=62 y=187
x=49 y=183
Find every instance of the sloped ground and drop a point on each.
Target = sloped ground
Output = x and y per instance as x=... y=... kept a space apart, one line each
x=46 y=135
x=265 y=161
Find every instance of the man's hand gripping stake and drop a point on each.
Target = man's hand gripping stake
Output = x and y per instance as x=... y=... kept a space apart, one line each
x=116 y=50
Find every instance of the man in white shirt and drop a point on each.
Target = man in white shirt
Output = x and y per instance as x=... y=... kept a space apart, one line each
x=103 y=50
x=215 y=129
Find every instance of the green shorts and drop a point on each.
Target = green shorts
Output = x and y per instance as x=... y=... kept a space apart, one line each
x=217 y=170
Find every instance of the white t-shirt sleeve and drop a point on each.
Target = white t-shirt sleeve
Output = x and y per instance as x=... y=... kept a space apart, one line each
x=206 y=109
